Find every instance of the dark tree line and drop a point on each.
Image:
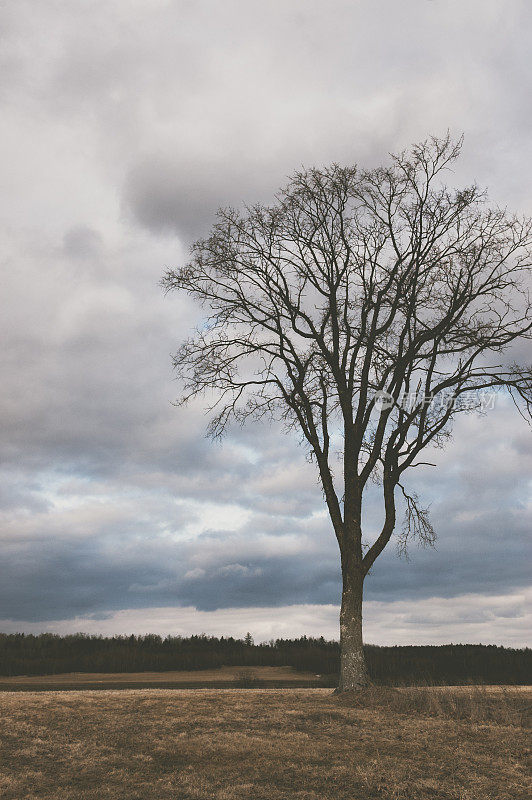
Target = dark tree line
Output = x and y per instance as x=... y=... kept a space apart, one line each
x=46 y=654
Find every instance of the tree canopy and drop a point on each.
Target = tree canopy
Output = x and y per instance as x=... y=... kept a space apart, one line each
x=374 y=302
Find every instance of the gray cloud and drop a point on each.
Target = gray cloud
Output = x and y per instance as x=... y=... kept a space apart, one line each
x=165 y=195
x=82 y=242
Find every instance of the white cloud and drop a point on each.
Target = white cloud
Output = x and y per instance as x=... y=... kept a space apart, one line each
x=504 y=619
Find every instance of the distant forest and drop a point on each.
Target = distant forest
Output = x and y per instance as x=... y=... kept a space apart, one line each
x=46 y=654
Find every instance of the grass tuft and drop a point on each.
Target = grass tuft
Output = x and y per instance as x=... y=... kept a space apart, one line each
x=475 y=704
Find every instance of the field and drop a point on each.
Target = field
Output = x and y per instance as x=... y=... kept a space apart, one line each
x=236 y=744
x=272 y=677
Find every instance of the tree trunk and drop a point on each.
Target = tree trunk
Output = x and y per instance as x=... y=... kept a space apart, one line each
x=353 y=670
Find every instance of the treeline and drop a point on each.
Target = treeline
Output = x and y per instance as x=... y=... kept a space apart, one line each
x=46 y=654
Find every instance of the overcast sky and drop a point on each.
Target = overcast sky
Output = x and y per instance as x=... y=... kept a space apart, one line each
x=124 y=126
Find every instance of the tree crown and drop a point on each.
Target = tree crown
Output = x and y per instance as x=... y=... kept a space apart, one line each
x=368 y=303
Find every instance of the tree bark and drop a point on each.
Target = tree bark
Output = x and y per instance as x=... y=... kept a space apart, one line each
x=353 y=670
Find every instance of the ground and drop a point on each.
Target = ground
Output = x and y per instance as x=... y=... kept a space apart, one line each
x=273 y=677
x=264 y=744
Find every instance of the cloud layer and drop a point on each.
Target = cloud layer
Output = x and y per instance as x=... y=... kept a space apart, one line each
x=125 y=128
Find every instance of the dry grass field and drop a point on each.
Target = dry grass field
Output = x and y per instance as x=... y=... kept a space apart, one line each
x=230 y=744
x=206 y=678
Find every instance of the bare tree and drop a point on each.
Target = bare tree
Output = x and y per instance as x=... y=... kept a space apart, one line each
x=361 y=308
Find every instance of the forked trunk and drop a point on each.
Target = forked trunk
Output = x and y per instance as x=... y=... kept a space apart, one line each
x=353 y=670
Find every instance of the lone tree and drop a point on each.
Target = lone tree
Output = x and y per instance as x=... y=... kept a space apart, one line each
x=361 y=308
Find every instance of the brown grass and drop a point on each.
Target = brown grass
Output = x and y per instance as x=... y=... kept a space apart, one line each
x=223 y=675
x=230 y=744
